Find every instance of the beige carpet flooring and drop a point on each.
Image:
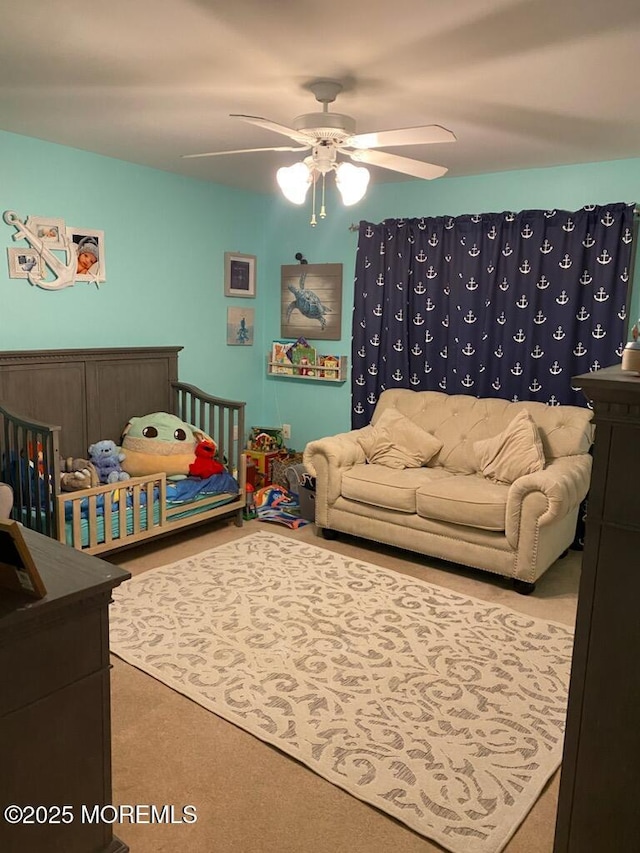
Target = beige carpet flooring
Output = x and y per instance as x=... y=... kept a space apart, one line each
x=251 y=798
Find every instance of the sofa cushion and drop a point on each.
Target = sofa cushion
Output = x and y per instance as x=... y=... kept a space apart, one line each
x=514 y=452
x=388 y=488
x=464 y=499
x=396 y=442
x=459 y=420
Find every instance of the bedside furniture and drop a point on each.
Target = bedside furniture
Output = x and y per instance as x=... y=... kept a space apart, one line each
x=55 y=736
x=598 y=803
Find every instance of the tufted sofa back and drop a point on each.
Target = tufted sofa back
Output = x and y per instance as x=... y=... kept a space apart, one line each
x=459 y=421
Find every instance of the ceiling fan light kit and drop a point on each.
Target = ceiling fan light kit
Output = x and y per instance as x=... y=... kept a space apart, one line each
x=328 y=134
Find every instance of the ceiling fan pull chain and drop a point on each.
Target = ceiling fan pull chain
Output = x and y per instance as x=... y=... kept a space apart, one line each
x=323 y=212
x=314 y=221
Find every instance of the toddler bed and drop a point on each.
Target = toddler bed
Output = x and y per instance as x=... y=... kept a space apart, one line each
x=55 y=403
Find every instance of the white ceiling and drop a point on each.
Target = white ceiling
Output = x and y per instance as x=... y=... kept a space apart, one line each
x=522 y=83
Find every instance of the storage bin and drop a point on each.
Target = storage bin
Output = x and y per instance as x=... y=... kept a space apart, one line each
x=307 y=498
x=293 y=475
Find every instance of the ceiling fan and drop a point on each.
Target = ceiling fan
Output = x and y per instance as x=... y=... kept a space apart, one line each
x=329 y=134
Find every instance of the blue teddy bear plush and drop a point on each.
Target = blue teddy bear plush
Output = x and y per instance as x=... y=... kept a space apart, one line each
x=107 y=457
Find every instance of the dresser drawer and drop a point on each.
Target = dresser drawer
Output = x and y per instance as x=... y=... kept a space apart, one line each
x=49 y=653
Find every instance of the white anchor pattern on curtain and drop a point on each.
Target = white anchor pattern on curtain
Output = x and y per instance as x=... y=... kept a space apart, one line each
x=508 y=305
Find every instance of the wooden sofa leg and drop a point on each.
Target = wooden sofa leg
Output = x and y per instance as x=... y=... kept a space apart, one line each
x=238 y=518
x=523 y=587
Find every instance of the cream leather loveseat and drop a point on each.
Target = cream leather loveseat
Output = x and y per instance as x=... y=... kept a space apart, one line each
x=454 y=507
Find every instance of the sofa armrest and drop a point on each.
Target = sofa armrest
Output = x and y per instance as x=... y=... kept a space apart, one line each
x=559 y=488
x=327 y=459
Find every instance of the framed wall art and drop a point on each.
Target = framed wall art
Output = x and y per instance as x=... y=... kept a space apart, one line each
x=240 y=323
x=25 y=261
x=90 y=258
x=51 y=231
x=239 y=274
x=311 y=301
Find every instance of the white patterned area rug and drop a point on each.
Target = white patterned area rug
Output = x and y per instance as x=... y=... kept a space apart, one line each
x=441 y=710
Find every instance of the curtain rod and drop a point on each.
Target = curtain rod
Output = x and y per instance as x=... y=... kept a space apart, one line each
x=354 y=227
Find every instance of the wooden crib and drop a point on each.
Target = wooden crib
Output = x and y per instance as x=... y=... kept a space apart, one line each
x=55 y=403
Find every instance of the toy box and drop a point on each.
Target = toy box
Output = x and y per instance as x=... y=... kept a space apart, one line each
x=262 y=462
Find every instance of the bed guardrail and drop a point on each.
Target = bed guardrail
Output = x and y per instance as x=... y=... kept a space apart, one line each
x=222 y=419
x=107 y=517
x=30 y=464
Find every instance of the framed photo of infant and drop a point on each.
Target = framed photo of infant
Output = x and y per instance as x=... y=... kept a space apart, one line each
x=88 y=246
x=51 y=231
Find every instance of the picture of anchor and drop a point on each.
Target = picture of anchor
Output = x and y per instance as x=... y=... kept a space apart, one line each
x=65 y=273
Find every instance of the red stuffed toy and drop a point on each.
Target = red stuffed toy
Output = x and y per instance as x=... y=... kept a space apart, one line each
x=205 y=464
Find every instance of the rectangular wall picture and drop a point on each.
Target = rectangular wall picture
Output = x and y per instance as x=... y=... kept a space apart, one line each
x=88 y=245
x=240 y=326
x=311 y=302
x=239 y=274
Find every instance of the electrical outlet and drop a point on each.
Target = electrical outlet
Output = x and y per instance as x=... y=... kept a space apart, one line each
x=286 y=430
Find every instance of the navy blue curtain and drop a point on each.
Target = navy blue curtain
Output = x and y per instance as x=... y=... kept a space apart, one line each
x=507 y=305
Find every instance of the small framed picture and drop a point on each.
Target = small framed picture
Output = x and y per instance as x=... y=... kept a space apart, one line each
x=240 y=326
x=52 y=232
x=88 y=246
x=18 y=571
x=239 y=274
x=25 y=261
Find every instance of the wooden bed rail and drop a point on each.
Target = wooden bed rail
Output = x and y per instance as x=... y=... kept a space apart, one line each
x=30 y=464
x=222 y=419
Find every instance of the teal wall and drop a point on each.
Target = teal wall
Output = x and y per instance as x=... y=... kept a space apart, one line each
x=165 y=238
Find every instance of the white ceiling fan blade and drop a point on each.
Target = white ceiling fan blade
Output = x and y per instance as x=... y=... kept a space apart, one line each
x=297 y=135
x=244 y=151
x=402 y=136
x=416 y=168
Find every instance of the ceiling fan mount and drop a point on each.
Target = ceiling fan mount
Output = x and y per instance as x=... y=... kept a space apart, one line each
x=325 y=91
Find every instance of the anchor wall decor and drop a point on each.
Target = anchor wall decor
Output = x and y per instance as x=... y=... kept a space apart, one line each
x=59 y=256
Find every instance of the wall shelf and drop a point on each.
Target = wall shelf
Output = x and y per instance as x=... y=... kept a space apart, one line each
x=315 y=372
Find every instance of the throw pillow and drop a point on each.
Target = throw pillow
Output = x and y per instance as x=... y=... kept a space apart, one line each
x=395 y=441
x=516 y=451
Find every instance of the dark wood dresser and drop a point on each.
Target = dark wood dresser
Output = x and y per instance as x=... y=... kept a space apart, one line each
x=55 y=735
x=598 y=801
